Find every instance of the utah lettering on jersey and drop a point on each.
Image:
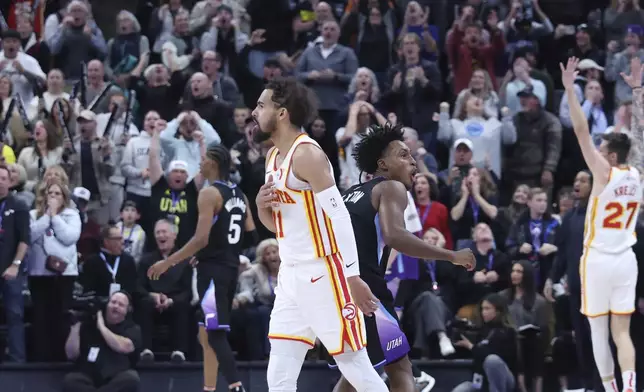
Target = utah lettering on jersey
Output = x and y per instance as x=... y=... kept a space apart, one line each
x=283 y=197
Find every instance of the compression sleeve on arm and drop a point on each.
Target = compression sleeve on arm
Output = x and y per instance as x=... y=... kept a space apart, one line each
x=333 y=205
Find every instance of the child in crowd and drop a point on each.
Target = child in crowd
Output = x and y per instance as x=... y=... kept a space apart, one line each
x=133 y=234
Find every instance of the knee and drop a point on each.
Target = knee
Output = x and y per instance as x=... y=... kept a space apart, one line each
x=131 y=378
x=72 y=380
x=493 y=362
x=216 y=338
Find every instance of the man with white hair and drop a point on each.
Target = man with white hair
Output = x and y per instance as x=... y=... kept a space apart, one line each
x=223 y=87
x=76 y=40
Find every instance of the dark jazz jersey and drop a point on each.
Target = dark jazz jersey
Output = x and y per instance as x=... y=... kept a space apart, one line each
x=373 y=254
x=226 y=237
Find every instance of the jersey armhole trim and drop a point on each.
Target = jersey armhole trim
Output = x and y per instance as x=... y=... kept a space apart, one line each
x=290 y=164
x=271 y=158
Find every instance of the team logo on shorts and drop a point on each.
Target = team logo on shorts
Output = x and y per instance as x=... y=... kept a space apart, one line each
x=349 y=311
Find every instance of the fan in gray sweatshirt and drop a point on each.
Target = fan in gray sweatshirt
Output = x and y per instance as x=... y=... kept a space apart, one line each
x=134 y=162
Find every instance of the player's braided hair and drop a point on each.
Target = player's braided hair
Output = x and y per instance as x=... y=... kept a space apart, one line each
x=372 y=147
x=221 y=155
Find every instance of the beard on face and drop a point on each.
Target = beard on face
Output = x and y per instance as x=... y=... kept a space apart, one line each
x=259 y=135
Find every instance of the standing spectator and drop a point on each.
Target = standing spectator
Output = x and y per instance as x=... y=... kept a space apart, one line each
x=488 y=135
x=465 y=47
x=226 y=39
x=24 y=70
x=592 y=107
x=159 y=90
x=119 y=137
x=45 y=151
x=172 y=194
x=18 y=180
x=481 y=87
x=414 y=86
x=91 y=166
x=619 y=16
x=432 y=213
x=535 y=155
x=30 y=42
x=250 y=84
x=376 y=40
x=520 y=81
x=170 y=294
x=509 y=214
x=89 y=242
x=533 y=236
x=101 y=347
x=14 y=241
x=275 y=20
x=425 y=161
x=42 y=105
x=618 y=62
x=77 y=40
x=181 y=48
x=224 y=87
x=126 y=49
x=95 y=85
x=162 y=23
x=584 y=47
x=53 y=269
x=328 y=67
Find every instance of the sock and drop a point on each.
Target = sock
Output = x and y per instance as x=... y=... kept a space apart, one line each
x=415 y=371
x=610 y=385
x=628 y=378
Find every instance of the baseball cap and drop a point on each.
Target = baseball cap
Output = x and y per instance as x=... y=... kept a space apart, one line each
x=587 y=64
x=467 y=142
x=527 y=92
x=11 y=34
x=178 y=165
x=87 y=115
x=81 y=193
x=634 y=29
x=583 y=27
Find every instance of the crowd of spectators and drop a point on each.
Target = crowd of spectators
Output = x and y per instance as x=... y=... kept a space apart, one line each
x=102 y=140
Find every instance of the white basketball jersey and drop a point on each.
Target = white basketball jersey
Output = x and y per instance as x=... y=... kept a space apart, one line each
x=303 y=230
x=611 y=219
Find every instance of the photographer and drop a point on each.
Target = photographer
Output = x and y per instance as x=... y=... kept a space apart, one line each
x=101 y=346
x=497 y=362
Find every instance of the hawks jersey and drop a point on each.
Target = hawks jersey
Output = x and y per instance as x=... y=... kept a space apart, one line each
x=610 y=225
x=303 y=230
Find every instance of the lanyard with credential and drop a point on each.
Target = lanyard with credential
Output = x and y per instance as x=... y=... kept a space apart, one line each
x=475 y=210
x=431 y=268
x=129 y=237
x=2 y=213
x=425 y=214
x=113 y=270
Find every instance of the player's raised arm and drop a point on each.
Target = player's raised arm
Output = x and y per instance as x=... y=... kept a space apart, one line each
x=208 y=203
x=634 y=80
x=597 y=164
x=310 y=164
x=391 y=199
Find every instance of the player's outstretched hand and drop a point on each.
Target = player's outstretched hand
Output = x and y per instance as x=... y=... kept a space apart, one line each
x=158 y=269
x=465 y=258
x=362 y=295
x=569 y=72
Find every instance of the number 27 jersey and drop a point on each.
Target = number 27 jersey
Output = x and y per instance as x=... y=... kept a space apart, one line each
x=612 y=215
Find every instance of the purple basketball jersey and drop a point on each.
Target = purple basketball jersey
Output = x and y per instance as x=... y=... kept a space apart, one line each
x=392 y=338
x=209 y=308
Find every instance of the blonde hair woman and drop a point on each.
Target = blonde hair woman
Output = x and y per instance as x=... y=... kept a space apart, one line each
x=53 y=173
x=53 y=268
x=480 y=86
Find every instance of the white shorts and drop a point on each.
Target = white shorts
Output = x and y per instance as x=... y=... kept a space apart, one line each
x=312 y=299
x=608 y=282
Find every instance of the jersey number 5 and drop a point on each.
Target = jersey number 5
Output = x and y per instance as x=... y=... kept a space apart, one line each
x=234 y=231
x=616 y=212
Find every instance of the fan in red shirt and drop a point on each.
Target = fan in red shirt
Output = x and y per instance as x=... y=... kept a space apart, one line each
x=31 y=7
x=432 y=214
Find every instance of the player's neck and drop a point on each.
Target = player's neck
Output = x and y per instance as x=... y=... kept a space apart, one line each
x=214 y=177
x=535 y=215
x=283 y=139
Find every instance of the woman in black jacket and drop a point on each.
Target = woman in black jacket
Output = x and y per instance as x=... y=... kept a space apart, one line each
x=497 y=365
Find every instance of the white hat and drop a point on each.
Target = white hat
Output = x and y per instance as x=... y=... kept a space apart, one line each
x=178 y=165
x=244 y=260
x=87 y=115
x=465 y=141
x=82 y=193
x=587 y=64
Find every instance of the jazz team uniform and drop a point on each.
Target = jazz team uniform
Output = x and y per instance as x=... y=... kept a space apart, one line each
x=312 y=296
x=373 y=255
x=608 y=267
x=219 y=260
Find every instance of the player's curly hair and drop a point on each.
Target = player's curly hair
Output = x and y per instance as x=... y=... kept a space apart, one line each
x=299 y=100
x=372 y=147
x=221 y=155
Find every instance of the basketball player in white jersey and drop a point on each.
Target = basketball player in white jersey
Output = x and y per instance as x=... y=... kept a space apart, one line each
x=608 y=268
x=319 y=292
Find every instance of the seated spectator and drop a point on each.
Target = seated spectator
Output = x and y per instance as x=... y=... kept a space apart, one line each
x=427 y=303
x=532 y=316
x=425 y=161
x=481 y=87
x=46 y=151
x=53 y=269
x=533 y=235
x=488 y=135
x=495 y=350
x=477 y=203
x=508 y=215
x=432 y=213
x=110 y=270
x=170 y=295
x=253 y=302
x=101 y=346
x=78 y=39
x=132 y=232
x=89 y=242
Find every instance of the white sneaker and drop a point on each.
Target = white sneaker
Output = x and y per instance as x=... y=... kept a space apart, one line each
x=146 y=355
x=425 y=382
x=177 y=357
x=446 y=346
